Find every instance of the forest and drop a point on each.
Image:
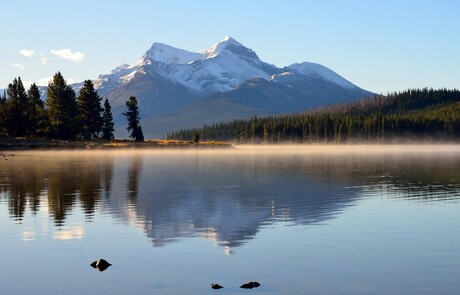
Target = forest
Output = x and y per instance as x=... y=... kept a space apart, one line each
x=416 y=114
x=62 y=115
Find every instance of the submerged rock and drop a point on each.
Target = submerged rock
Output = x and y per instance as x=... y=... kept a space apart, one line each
x=100 y=264
x=250 y=285
x=216 y=286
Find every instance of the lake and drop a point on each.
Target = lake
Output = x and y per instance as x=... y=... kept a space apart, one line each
x=296 y=219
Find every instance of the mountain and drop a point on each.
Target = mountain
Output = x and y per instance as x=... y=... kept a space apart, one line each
x=178 y=89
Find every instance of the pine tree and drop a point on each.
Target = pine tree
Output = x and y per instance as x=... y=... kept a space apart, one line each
x=3 y=113
x=16 y=106
x=89 y=111
x=139 y=133
x=196 y=137
x=107 y=126
x=62 y=109
x=35 y=112
x=132 y=115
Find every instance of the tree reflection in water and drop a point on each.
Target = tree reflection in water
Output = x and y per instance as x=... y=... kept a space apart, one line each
x=58 y=182
x=133 y=179
x=226 y=199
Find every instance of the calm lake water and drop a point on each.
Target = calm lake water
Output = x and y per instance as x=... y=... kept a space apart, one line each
x=299 y=220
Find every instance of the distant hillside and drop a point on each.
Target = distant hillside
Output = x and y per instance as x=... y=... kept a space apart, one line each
x=417 y=114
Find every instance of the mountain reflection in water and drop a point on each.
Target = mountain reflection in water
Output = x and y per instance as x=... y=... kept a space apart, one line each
x=224 y=197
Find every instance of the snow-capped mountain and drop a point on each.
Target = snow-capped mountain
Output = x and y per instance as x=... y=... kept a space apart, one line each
x=118 y=76
x=313 y=69
x=177 y=88
x=217 y=69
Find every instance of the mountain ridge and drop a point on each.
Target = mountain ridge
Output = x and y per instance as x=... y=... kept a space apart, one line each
x=167 y=80
x=173 y=83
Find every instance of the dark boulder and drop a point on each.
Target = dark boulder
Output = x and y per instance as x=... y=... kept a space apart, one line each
x=100 y=264
x=250 y=285
x=216 y=286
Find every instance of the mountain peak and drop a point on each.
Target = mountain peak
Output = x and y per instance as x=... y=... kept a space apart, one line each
x=164 y=53
x=119 y=68
x=227 y=44
x=229 y=40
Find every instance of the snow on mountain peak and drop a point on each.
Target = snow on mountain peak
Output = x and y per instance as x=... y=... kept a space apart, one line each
x=164 y=53
x=230 y=40
x=218 y=48
x=220 y=68
x=107 y=82
x=119 y=68
x=311 y=69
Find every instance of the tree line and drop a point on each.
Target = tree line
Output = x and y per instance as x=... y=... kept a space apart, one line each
x=62 y=115
x=412 y=114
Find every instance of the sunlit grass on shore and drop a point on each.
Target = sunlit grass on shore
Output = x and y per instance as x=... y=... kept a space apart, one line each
x=8 y=143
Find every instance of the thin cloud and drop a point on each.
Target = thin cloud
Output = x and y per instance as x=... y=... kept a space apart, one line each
x=27 y=53
x=68 y=54
x=43 y=59
x=18 y=66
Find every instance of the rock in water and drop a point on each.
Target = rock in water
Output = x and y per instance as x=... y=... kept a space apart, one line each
x=100 y=264
x=216 y=286
x=250 y=285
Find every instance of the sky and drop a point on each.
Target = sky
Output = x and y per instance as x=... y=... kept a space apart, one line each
x=381 y=46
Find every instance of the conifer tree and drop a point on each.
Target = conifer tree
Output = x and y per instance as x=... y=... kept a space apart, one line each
x=196 y=137
x=3 y=113
x=107 y=126
x=62 y=108
x=35 y=112
x=16 y=105
x=139 y=133
x=132 y=115
x=89 y=111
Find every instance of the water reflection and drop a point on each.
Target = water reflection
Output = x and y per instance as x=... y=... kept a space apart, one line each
x=66 y=233
x=224 y=198
x=134 y=171
x=59 y=181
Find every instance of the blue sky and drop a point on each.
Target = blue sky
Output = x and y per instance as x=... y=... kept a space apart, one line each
x=379 y=45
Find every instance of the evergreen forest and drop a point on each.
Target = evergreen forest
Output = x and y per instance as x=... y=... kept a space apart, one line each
x=416 y=114
x=62 y=115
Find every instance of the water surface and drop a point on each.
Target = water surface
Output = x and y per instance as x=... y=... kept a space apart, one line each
x=299 y=220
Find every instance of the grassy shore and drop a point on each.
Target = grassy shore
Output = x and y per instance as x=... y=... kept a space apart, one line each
x=8 y=143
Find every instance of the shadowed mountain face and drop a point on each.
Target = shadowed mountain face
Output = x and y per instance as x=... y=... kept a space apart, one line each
x=225 y=198
x=177 y=89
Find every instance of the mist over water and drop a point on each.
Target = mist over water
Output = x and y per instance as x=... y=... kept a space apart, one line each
x=359 y=149
x=323 y=219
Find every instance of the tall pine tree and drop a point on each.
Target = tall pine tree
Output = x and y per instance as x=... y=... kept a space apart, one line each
x=62 y=109
x=89 y=111
x=16 y=108
x=107 y=126
x=132 y=115
x=36 y=117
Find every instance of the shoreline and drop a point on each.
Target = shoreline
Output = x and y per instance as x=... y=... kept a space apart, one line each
x=26 y=144
x=19 y=144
